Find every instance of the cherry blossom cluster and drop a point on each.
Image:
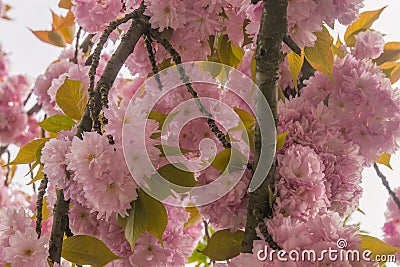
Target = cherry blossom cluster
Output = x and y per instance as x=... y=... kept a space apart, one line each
x=391 y=228
x=19 y=244
x=189 y=26
x=15 y=125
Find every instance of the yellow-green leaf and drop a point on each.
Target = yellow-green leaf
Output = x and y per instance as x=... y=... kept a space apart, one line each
x=57 y=123
x=361 y=211
x=229 y=158
x=146 y=214
x=87 y=250
x=320 y=56
x=28 y=152
x=39 y=175
x=377 y=246
x=295 y=63
x=337 y=50
x=245 y=117
x=364 y=22
x=178 y=174
x=71 y=97
x=194 y=218
x=391 y=52
x=280 y=140
x=225 y=52
x=253 y=67
x=385 y=160
x=224 y=245
x=392 y=71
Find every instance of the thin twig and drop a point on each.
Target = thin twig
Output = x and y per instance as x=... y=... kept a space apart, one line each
x=387 y=186
x=206 y=231
x=185 y=79
x=95 y=59
x=151 y=53
x=36 y=108
x=291 y=44
x=78 y=35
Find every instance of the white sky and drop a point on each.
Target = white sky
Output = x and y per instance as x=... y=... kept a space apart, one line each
x=31 y=56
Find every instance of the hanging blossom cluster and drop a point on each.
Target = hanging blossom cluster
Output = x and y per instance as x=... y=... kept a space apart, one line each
x=16 y=126
x=391 y=228
x=19 y=244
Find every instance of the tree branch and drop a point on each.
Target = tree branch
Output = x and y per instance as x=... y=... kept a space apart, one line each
x=291 y=44
x=128 y=42
x=273 y=28
x=387 y=186
x=60 y=215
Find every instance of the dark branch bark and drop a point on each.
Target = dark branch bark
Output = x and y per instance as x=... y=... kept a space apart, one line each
x=273 y=28
x=291 y=44
x=59 y=227
x=39 y=205
x=129 y=40
x=125 y=48
x=387 y=186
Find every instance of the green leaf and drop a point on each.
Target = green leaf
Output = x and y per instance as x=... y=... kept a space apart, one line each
x=253 y=67
x=87 y=250
x=28 y=152
x=280 y=140
x=224 y=245
x=146 y=214
x=194 y=218
x=226 y=54
x=229 y=158
x=391 y=52
x=172 y=150
x=245 y=117
x=57 y=123
x=363 y=23
x=158 y=117
x=199 y=257
x=337 y=50
x=71 y=98
x=377 y=246
x=178 y=174
x=385 y=160
x=295 y=63
x=320 y=56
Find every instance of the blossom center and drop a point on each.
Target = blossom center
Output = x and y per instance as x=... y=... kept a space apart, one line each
x=28 y=252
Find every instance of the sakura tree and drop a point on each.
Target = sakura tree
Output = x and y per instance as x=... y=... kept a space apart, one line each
x=208 y=132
